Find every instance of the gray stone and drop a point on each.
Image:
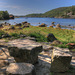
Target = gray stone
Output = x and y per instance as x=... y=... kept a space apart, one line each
x=58 y=26
x=51 y=37
x=47 y=47
x=21 y=69
x=24 y=50
x=60 y=60
x=43 y=25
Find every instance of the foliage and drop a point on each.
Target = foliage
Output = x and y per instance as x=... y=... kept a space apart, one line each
x=1 y=33
x=4 y=15
x=15 y=35
x=39 y=37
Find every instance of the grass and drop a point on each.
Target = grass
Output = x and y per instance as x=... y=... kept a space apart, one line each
x=40 y=33
x=39 y=37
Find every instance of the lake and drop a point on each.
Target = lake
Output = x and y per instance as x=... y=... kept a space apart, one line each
x=37 y=21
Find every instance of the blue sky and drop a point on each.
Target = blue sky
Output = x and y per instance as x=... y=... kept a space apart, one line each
x=23 y=7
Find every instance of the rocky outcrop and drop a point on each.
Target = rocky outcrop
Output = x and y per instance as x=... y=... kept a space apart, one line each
x=60 y=60
x=51 y=37
x=24 y=50
x=20 y=69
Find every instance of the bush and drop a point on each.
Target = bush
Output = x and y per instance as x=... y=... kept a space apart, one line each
x=63 y=46
x=39 y=37
x=1 y=33
x=15 y=35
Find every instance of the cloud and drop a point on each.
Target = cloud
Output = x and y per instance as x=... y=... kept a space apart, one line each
x=6 y=5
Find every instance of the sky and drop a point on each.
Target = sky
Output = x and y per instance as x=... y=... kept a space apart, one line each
x=24 y=7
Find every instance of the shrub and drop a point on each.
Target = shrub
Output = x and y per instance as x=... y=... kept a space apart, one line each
x=39 y=37
x=15 y=35
x=1 y=33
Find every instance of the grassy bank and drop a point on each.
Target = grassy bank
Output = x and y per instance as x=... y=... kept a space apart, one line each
x=40 y=33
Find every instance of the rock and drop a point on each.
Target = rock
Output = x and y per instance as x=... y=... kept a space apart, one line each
x=22 y=35
x=51 y=37
x=12 y=27
x=24 y=22
x=51 y=26
x=24 y=50
x=20 y=69
x=47 y=47
x=1 y=26
x=71 y=45
x=31 y=38
x=25 y=26
x=11 y=16
x=6 y=36
x=4 y=54
x=43 y=25
x=20 y=28
x=60 y=60
x=18 y=24
x=3 y=63
x=58 y=26
x=55 y=42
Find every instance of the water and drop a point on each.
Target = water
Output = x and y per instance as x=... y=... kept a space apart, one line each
x=37 y=21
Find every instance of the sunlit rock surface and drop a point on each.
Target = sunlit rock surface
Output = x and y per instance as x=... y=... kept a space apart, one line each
x=20 y=69
x=60 y=60
x=24 y=50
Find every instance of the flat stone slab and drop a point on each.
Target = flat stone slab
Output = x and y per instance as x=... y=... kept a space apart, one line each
x=4 y=54
x=24 y=50
x=60 y=59
x=20 y=69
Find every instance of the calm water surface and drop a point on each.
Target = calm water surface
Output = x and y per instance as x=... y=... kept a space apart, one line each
x=37 y=21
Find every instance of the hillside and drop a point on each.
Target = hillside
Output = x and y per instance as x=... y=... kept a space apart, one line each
x=62 y=12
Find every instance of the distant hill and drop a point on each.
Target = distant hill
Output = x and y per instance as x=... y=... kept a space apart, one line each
x=62 y=12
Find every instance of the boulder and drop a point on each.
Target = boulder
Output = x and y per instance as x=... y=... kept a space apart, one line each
x=71 y=45
x=24 y=50
x=22 y=35
x=31 y=38
x=25 y=26
x=43 y=25
x=51 y=37
x=47 y=48
x=18 y=24
x=60 y=60
x=58 y=26
x=51 y=26
x=6 y=36
x=24 y=22
x=20 y=69
x=1 y=26
x=12 y=27
x=56 y=42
